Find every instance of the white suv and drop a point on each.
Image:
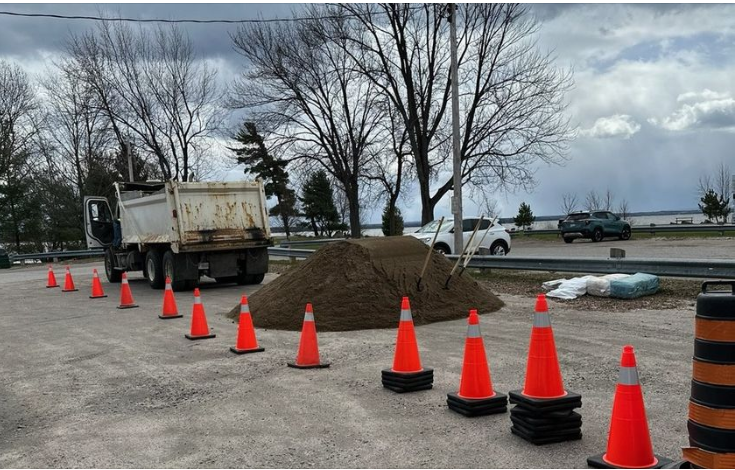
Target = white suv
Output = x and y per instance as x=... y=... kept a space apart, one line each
x=497 y=239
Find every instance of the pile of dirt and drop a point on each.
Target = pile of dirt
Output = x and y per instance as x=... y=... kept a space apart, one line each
x=357 y=285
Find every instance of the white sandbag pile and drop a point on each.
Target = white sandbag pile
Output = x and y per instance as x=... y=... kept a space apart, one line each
x=620 y=286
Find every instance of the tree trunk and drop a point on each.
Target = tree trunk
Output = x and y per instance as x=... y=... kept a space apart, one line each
x=354 y=203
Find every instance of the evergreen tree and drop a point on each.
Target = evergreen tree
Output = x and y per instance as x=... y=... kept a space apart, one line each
x=254 y=154
x=715 y=206
x=525 y=216
x=317 y=202
x=392 y=221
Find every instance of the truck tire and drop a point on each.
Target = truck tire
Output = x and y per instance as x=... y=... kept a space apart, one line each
x=113 y=275
x=154 y=267
x=169 y=270
x=250 y=278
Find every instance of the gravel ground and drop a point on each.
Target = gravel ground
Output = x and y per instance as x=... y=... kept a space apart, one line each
x=86 y=385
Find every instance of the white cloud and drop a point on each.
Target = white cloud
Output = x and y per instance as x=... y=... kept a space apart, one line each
x=615 y=126
x=707 y=110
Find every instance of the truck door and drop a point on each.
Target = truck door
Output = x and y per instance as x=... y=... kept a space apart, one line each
x=98 y=222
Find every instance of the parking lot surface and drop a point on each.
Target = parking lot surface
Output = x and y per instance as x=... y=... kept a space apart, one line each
x=84 y=384
x=687 y=248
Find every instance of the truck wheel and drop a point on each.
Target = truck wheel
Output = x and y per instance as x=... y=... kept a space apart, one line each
x=113 y=275
x=154 y=267
x=253 y=278
x=169 y=270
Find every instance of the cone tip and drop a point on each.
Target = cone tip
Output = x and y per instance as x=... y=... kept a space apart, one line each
x=473 y=318
x=244 y=300
x=124 y=274
x=196 y=292
x=405 y=304
x=309 y=308
x=94 y=270
x=168 y=280
x=541 y=304
x=628 y=357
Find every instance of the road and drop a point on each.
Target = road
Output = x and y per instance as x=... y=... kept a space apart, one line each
x=86 y=385
x=687 y=248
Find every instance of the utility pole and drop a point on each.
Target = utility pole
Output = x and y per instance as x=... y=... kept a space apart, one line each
x=457 y=161
x=129 y=153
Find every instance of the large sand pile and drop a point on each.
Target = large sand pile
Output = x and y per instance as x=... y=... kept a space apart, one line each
x=358 y=285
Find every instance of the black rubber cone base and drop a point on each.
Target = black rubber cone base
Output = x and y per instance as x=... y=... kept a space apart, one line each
x=193 y=338
x=546 y=429
x=401 y=382
x=168 y=317
x=571 y=420
x=69 y=290
x=542 y=406
x=539 y=441
x=323 y=365
x=246 y=351
x=97 y=296
x=51 y=287
x=596 y=462
x=122 y=307
x=477 y=407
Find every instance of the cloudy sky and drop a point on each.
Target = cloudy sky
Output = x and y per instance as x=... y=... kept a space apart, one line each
x=654 y=95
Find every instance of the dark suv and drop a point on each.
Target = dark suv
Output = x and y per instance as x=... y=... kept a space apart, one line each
x=594 y=225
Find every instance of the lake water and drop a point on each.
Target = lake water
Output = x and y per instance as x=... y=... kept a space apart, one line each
x=551 y=224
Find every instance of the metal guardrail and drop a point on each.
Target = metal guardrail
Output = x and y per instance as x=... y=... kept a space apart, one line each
x=288 y=243
x=652 y=229
x=50 y=255
x=699 y=268
x=723 y=269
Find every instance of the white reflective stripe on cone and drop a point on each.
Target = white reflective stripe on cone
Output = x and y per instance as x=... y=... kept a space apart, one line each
x=406 y=315
x=168 y=286
x=308 y=316
x=541 y=320
x=197 y=300
x=473 y=331
x=244 y=308
x=628 y=376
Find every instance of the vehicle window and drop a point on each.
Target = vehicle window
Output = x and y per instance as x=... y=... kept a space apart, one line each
x=485 y=224
x=468 y=225
x=579 y=216
x=611 y=216
x=600 y=215
x=98 y=212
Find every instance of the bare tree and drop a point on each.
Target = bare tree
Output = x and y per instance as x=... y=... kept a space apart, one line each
x=718 y=182
x=624 y=209
x=302 y=85
x=511 y=95
x=150 y=85
x=593 y=201
x=608 y=200
x=18 y=128
x=569 y=203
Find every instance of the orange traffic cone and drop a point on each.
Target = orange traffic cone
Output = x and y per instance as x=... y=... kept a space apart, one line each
x=169 y=303
x=544 y=410
x=126 y=296
x=476 y=396
x=199 y=328
x=68 y=282
x=628 y=443
x=51 y=278
x=246 y=340
x=308 y=355
x=543 y=376
x=97 y=292
x=407 y=374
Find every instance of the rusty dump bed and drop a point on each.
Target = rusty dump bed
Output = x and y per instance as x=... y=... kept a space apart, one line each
x=195 y=216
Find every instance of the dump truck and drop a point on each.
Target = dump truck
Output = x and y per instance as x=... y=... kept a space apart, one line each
x=182 y=230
